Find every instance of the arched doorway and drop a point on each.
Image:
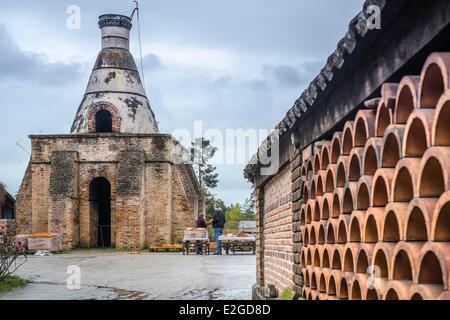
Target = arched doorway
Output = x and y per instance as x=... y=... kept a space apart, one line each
x=103 y=121
x=100 y=202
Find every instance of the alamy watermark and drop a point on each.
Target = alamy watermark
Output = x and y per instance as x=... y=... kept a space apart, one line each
x=73 y=282
x=373 y=17
x=73 y=21
x=374 y=279
x=234 y=146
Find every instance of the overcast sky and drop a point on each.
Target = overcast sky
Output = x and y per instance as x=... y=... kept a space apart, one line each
x=228 y=63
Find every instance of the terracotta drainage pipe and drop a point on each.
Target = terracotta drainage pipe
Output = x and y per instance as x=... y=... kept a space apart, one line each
x=392 y=149
x=347 y=140
x=417 y=137
x=336 y=147
x=364 y=127
x=434 y=172
x=381 y=187
x=404 y=184
x=440 y=130
x=407 y=99
x=434 y=79
x=441 y=219
x=371 y=156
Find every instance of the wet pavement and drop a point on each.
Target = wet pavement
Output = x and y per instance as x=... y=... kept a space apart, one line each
x=125 y=276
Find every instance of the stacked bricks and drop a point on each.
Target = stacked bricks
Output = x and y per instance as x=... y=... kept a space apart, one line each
x=296 y=207
x=375 y=215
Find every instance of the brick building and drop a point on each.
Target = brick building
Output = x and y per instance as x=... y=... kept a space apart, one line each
x=359 y=206
x=7 y=203
x=114 y=180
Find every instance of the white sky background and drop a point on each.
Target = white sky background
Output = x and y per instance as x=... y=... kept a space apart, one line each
x=228 y=63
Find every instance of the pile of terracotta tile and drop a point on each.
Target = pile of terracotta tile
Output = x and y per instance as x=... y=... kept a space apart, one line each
x=375 y=217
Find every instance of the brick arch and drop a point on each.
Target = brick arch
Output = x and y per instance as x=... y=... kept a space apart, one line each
x=116 y=120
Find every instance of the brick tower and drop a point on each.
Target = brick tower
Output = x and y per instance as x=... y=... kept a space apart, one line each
x=114 y=180
x=115 y=85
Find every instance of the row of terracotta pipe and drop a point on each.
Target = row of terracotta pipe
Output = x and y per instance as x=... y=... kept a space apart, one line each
x=422 y=219
x=418 y=266
x=376 y=197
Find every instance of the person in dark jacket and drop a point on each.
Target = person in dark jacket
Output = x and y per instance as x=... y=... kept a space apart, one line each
x=201 y=223
x=218 y=223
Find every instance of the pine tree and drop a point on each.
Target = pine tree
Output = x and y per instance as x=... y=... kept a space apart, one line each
x=202 y=151
x=248 y=208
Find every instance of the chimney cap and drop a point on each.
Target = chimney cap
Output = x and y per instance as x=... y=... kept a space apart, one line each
x=115 y=20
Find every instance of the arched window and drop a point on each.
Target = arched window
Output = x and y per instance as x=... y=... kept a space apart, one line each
x=103 y=117
x=103 y=121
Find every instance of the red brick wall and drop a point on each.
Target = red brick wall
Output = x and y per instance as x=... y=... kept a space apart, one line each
x=277 y=231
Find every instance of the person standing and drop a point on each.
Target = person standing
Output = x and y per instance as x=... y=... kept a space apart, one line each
x=218 y=223
x=202 y=224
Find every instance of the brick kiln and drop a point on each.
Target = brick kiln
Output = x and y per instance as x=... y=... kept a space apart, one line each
x=360 y=207
x=114 y=181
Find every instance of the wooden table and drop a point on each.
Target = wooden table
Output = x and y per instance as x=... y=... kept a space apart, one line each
x=192 y=243
x=238 y=244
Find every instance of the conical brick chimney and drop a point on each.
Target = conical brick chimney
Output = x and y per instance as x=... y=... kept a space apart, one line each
x=115 y=93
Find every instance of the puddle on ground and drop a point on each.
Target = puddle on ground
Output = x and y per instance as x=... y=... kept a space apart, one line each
x=129 y=295
x=198 y=294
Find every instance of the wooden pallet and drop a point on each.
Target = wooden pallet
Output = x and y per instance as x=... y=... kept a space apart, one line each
x=166 y=248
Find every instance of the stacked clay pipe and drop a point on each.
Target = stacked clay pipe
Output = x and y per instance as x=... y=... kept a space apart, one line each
x=375 y=217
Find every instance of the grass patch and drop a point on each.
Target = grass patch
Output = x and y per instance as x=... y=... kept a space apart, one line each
x=12 y=282
x=287 y=294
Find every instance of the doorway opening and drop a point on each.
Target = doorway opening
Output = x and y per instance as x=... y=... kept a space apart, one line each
x=100 y=199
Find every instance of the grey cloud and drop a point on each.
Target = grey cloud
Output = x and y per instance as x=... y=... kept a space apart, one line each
x=293 y=76
x=304 y=27
x=152 y=62
x=285 y=74
x=31 y=67
x=225 y=83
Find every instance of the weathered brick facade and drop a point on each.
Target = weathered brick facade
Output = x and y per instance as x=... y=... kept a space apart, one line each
x=152 y=198
x=115 y=181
